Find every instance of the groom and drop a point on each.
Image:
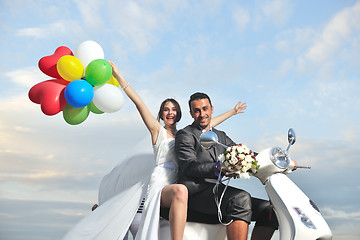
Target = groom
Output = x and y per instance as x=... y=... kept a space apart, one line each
x=198 y=172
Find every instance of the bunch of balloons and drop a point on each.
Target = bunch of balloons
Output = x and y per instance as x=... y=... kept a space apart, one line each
x=82 y=83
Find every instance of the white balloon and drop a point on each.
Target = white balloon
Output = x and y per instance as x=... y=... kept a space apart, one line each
x=108 y=98
x=88 y=51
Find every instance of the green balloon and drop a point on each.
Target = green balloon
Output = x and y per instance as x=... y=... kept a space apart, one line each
x=75 y=116
x=98 y=72
x=94 y=109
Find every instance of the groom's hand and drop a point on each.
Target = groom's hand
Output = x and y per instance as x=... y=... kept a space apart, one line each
x=227 y=173
x=231 y=175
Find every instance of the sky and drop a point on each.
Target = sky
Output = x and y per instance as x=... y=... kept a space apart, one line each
x=295 y=63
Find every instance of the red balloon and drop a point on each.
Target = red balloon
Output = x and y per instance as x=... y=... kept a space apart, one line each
x=50 y=95
x=48 y=64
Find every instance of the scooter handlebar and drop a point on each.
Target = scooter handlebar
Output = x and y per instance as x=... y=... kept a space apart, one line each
x=297 y=166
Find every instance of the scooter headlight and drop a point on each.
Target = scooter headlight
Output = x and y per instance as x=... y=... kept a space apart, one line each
x=279 y=158
x=304 y=219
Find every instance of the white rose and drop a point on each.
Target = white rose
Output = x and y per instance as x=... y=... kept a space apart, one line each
x=239 y=149
x=248 y=158
x=241 y=156
x=246 y=150
x=233 y=161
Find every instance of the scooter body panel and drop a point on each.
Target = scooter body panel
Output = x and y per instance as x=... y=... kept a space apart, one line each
x=298 y=219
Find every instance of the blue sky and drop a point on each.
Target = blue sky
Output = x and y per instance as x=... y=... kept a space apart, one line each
x=295 y=63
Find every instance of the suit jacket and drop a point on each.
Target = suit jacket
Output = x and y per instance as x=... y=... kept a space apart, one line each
x=196 y=164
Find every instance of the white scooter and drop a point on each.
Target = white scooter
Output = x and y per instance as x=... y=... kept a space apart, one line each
x=299 y=218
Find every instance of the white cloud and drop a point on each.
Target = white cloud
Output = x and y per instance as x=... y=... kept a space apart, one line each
x=90 y=12
x=137 y=24
x=278 y=11
x=59 y=29
x=304 y=35
x=317 y=152
x=330 y=213
x=241 y=17
x=261 y=49
x=44 y=32
x=26 y=77
x=22 y=129
x=32 y=32
x=294 y=41
x=140 y=24
x=336 y=34
x=44 y=158
x=351 y=134
x=284 y=68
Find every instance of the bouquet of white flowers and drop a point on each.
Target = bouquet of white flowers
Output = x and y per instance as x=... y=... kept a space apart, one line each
x=239 y=159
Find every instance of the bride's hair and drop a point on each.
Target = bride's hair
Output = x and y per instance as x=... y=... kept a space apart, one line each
x=177 y=106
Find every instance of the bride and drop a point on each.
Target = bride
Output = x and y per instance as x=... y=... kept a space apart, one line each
x=121 y=193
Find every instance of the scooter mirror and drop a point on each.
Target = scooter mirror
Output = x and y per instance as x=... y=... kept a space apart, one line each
x=209 y=139
x=291 y=136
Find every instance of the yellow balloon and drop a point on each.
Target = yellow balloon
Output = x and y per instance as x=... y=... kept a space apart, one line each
x=113 y=81
x=70 y=68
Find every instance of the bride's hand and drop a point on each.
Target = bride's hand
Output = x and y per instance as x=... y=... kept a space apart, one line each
x=240 y=107
x=115 y=70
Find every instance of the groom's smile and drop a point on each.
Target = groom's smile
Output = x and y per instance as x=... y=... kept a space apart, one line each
x=201 y=111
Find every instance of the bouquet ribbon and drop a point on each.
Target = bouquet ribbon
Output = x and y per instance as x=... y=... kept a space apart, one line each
x=216 y=192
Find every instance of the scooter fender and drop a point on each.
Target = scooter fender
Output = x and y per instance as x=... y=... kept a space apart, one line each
x=298 y=216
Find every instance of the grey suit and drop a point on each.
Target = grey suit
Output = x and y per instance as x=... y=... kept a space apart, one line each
x=197 y=164
x=197 y=173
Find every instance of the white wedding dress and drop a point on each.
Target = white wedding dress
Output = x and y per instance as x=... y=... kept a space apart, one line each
x=122 y=190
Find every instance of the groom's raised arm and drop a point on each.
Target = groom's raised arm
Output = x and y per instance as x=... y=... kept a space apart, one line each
x=187 y=149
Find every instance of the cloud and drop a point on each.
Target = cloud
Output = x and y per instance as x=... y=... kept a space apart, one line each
x=90 y=12
x=321 y=154
x=335 y=35
x=294 y=41
x=43 y=157
x=26 y=77
x=334 y=98
x=277 y=11
x=46 y=31
x=351 y=134
x=49 y=219
x=241 y=17
x=338 y=214
x=56 y=30
x=140 y=24
x=285 y=67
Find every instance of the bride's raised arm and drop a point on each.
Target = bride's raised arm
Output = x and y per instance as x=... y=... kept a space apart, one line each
x=149 y=120
x=239 y=108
